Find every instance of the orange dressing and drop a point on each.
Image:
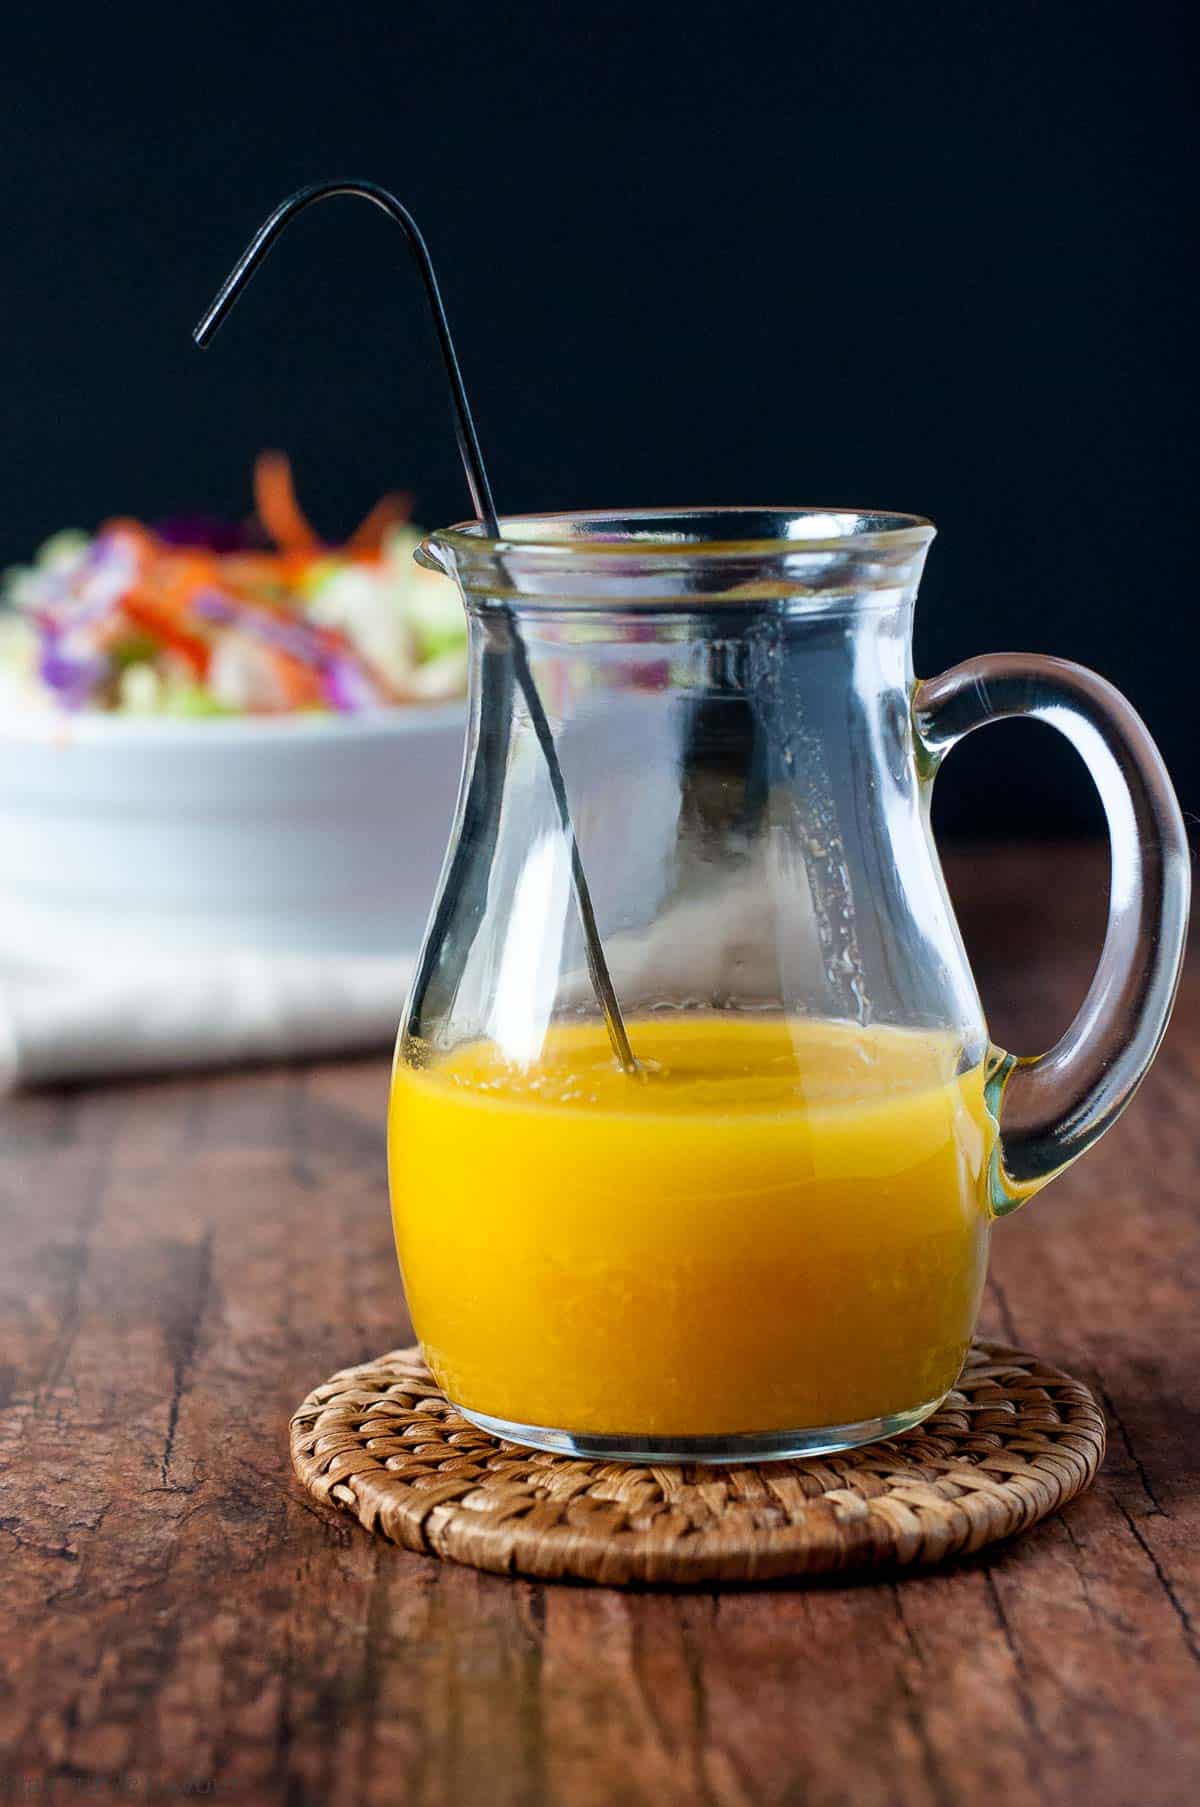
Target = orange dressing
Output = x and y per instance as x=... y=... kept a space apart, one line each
x=782 y=1225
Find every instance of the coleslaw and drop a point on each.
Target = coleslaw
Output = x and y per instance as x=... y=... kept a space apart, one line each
x=196 y=618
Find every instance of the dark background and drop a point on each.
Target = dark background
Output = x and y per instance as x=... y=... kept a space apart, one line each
x=937 y=257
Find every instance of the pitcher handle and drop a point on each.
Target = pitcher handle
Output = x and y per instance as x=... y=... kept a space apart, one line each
x=1054 y=1106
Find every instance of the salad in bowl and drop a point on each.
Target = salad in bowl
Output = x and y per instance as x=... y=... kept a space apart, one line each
x=195 y=618
x=233 y=740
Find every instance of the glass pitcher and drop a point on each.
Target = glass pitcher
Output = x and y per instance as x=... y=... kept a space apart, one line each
x=769 y=1238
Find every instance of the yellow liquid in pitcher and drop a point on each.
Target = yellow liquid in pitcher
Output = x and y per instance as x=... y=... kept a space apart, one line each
x=781 y=1226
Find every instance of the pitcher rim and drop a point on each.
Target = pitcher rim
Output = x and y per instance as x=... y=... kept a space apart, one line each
x=857 y=529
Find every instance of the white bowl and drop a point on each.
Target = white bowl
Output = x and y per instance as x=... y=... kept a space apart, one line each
x=293 y=834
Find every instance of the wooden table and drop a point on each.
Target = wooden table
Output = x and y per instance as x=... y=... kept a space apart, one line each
x=183 y=1259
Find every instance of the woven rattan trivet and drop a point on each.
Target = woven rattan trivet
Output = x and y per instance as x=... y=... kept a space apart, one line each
x=1014 y=1441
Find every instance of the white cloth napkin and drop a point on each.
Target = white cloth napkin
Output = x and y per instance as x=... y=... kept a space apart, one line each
x=161 y=1015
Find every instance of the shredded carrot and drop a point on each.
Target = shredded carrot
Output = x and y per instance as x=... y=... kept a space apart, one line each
x=299 y=683
x=276 y=505
x=390 y=511
x=177 y=578
x=162 y=621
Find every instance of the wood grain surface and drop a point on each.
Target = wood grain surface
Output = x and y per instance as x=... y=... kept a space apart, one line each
x=184 y=1259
